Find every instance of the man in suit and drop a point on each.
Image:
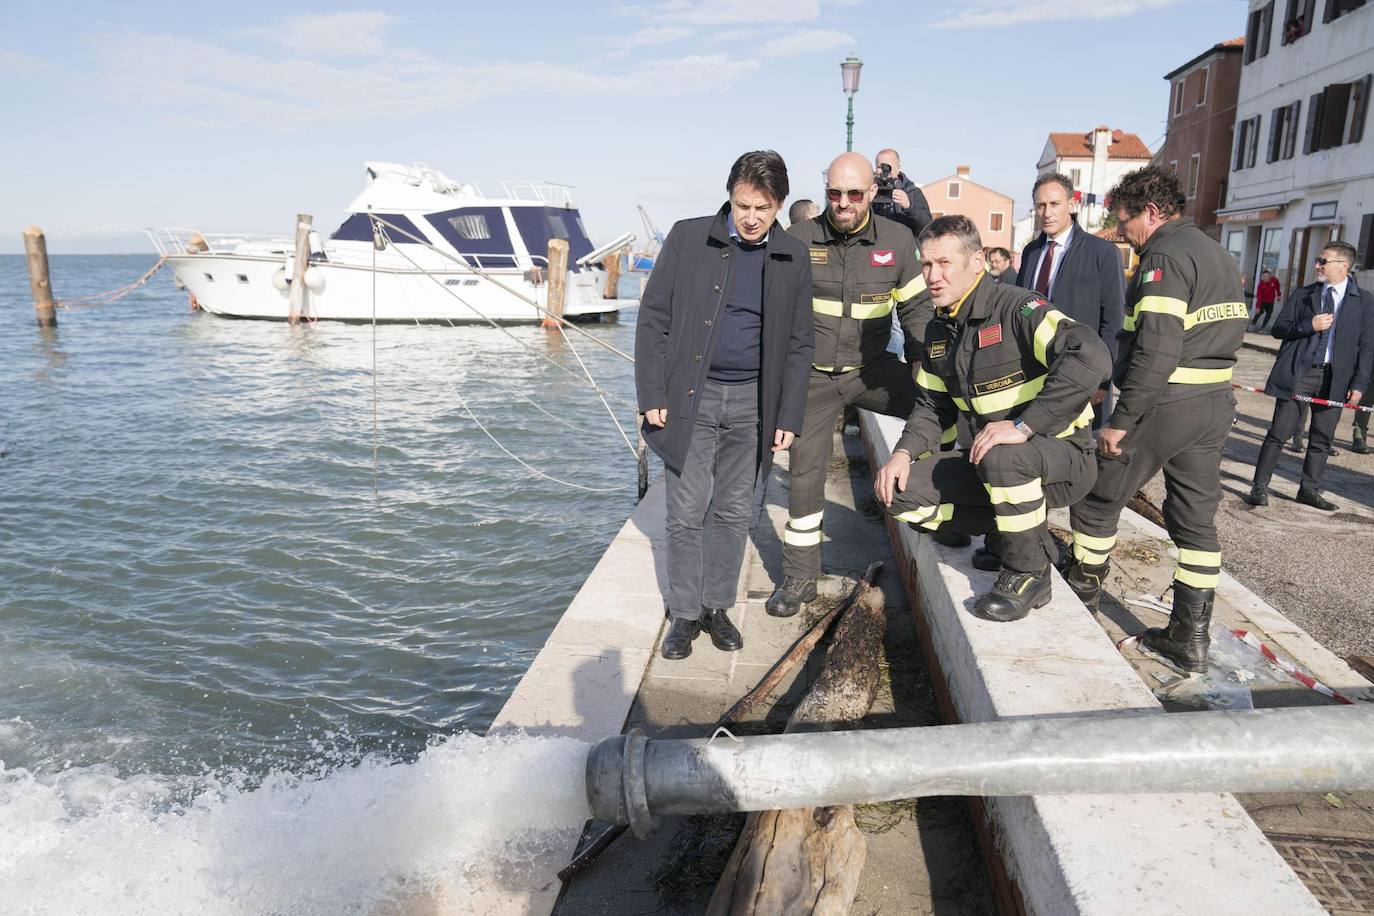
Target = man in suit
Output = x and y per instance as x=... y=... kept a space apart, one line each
x=1077 y=271
x=1327 y=329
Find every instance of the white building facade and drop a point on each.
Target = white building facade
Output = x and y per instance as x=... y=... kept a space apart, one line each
x=1094 y=161
x=1302 y=160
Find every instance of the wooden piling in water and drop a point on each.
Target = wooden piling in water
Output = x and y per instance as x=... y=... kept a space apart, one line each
x=558 y=282
x=36 y=250
x=297 y=304
x=612 y=265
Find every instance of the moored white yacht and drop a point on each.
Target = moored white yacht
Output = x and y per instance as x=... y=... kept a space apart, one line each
x=453 y=252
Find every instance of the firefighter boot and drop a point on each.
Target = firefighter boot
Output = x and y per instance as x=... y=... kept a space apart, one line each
x=1086 y=581
x=1184 y=642
x=1014 y=595
x=788 y=598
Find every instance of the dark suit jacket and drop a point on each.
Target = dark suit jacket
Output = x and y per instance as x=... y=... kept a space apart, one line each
x=675 y=336
x=1089 y=286
x=1352 y=356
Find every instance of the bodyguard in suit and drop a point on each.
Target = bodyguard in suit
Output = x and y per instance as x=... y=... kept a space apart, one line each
x=1077 y=271
x=1327 y=329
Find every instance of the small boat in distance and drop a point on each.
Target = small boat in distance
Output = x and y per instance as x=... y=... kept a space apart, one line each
x=453 y=252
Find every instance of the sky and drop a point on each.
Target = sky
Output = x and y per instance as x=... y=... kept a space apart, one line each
x=235 y=117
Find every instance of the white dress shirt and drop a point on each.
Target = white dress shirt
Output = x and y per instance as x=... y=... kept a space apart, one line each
x=1061 y=245
x=1339 y=297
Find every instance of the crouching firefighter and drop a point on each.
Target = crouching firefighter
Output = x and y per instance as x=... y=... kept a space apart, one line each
x=1025 y=374
x=1185 y=319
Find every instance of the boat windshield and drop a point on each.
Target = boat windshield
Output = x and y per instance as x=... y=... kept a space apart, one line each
x=539 y=224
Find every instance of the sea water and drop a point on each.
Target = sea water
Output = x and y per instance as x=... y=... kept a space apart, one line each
x=250 y=636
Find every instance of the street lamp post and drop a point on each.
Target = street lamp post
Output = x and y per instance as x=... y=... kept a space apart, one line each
x=849 y=76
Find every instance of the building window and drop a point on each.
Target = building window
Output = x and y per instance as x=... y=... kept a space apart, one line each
x=1269 y=251
x=1324 y=210
x=1336 y=115
x=1258 y=27
x=1076 y=177
x=1364 y=253
x=1283 y=132
x=1247 y=143
x=995 y=222
x=471 y=226
x=1173 y=166
x=1297 y=19
x=952 y=191
x=1335 y=9
x=1178 y=97
x=1194 y=169
x=1235 y=243
x=1202 y=88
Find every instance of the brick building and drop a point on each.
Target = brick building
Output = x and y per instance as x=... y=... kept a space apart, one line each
x=990 y=211
x=1202 y=115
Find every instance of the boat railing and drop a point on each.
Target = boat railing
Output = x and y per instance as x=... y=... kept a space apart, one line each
x=170 y=241
x=545 y=192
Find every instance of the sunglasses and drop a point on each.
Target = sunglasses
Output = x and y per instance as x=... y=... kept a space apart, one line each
x=1322 y=262
x=833 y=195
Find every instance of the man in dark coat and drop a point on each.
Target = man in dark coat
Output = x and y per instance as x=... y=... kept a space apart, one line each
x=1327 y=329
x=722 y=357
x=903 y=201
x=1080 y=273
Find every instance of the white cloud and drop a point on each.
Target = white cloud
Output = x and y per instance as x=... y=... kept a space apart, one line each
x=723 y=35
x=647 y=37
x=358 y=34
x=14 y=61
x=806 y=41
x=1019 y=12
x=726 y=12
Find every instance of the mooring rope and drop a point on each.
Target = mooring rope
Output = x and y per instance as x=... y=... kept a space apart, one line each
x=111 y=296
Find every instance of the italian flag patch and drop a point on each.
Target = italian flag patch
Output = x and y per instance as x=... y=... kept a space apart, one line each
x=1152 y=276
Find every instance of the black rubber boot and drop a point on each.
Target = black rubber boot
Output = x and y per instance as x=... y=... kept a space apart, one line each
x=1358 y=445
x=725 y=636
x=788 y=598
x=988 y=558
x=677 y=642
x=1086 y=581
x=1014 y=595
x=949 y=538
x=1184 y=642
x=1258 y=496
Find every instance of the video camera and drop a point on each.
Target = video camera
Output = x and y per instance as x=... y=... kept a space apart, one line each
x=885 y=182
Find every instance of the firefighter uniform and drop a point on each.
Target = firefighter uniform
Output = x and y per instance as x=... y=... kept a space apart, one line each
x=1002 y=354
x=1185 y=319
x=858 y=279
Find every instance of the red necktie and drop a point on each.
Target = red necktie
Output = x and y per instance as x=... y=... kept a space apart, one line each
x=1042 y=282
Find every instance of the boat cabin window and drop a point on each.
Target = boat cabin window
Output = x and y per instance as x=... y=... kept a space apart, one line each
x=539 y=224
x=358 y=228
x=470 y=226
x=478 y=234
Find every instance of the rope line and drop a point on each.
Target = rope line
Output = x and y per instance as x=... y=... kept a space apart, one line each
x=111 y=296
x=1320 y=402
x=614 y=419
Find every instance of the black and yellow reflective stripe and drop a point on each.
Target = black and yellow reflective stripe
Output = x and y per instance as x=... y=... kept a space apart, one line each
x=1221 y=311
x=928 y=517
x=1207 y=568
x=832 y=368
x=1044 y=333
x=949 y=435
x=1091 y=549
x=1197 y=580
x=913 y=289
x=930 y=382
x=1008 y=398
x=1028 y=492
x=832 y=307
x=1167 y=305
x=1084 y=420
x=803 y=531
x=1162 y=305
x=1016 y=522
x=1187 y=376
x=865 y=310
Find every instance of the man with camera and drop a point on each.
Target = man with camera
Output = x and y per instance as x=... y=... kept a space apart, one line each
x=898 y=198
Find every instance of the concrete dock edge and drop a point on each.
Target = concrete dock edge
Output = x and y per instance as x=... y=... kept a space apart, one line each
x=1156 y=854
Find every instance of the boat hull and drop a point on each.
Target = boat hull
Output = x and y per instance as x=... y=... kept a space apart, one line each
x=239 y=286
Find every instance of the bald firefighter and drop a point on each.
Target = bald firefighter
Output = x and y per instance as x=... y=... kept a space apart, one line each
x=862 y=267
x=1025 y=374
x=1185 y=319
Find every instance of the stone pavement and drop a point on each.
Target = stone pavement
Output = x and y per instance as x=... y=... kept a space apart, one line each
x=923 y=856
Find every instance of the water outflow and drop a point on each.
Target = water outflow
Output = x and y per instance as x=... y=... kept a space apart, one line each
x=468 y=812
x=631 y=780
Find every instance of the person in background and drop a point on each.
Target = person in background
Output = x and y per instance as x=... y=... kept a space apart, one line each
x=801 y=211
x=722 y=353
x=1327 y=329
x=1266 y=294
x=999 y=265
x=1077 y=271
x=898 y=197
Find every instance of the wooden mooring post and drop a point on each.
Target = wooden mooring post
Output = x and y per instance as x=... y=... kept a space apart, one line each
x=558 y=282
x=297 y=303
x=612 y=265
x=36 y=250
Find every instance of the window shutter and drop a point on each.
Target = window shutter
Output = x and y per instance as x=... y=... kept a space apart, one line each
x=1364 y=257
x=1266 y=26
x=1359 y=102
x=1240 y=146
x=1290 y=138
x=1335 y=102
x=1309 y=10
x=1314 y=109
x=1254 y=142
x=1271 y=152
x=1329 y=12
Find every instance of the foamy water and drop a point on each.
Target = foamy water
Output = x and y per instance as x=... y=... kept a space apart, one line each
x=469 y=812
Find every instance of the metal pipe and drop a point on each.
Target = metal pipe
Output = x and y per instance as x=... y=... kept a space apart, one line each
x=631 y=780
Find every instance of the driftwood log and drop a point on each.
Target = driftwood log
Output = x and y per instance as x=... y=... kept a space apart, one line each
x=809 y=860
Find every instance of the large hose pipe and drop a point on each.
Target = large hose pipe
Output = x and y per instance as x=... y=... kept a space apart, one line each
x=631 y=780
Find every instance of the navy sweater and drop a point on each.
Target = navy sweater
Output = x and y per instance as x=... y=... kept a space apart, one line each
x=735 y=360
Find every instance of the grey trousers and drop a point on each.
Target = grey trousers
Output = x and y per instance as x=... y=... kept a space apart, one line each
x=710 y=501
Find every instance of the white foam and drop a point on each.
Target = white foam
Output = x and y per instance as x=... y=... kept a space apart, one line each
x=470 y=810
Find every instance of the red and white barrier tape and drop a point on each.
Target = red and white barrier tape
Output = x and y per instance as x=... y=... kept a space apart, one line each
x=1302 y=677
x=1320 y=402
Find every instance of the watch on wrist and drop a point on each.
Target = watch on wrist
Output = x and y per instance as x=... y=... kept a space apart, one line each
x=1023 y=428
